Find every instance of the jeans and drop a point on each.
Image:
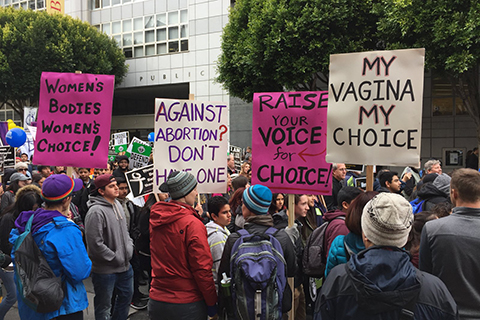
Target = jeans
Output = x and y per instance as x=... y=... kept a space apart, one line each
x=11 y=298
x=104 y=284
x=158 y=310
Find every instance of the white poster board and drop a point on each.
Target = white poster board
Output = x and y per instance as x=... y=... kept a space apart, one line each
x=375 y=104
x=192 y=136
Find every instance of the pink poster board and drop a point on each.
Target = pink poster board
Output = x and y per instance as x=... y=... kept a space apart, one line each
x=74 y=119
x=289 y=142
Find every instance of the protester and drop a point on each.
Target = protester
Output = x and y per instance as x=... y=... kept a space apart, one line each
x=339 y=170
x=448 y=246
x=343 y=247
x=60 y=242
x=442 y=209
x=312 y=220
x=123 y=162
x=217 y=232
x=278 y=203
x=380 y=282
x=139 y=300
x=336 y=219
x=44 y=171
x=389 y=182
x=182 y=282
x=472 y=160
x=246 y=171
x=256 y=201
x=59 y=170
x=411 y=182
x=28 y=198
x=231 y=164
x=433 y=166
x=110 y=248
x=437 y=191
x=21 y=167
x=413 y=243
x=142 y=243
x=17 y=180
x=239 y=182
x=235 y=203
x=38 y=179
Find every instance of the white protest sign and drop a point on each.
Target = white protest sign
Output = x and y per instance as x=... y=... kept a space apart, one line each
x=375 y=107
x=29 y=116
x=120 y=138
x=192 y=136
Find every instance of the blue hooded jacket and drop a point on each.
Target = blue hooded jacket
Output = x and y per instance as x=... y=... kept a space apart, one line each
x=60 y=241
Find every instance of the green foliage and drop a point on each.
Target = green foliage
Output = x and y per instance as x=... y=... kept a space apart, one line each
x=272 y=45
x=34 y=42
x=449 y=30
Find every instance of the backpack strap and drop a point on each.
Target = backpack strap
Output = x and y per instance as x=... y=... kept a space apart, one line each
x=28 y=226
x=243 y=232
x=348 y=251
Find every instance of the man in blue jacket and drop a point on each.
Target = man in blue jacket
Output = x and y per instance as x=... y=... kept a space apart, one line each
x=60 y=241
x=381 y=282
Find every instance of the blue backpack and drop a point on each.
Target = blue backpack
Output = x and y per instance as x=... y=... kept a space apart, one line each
x=417 y=205
x=259 y=277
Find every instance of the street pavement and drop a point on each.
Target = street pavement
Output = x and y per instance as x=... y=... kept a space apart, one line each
x=89 y=314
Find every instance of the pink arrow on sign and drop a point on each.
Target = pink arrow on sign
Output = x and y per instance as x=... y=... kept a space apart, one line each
x=302 y=154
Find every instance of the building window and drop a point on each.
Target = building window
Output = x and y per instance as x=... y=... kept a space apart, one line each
x=24 y=4
x=151 y=35
x=99 y=4
x=444 y=100
x=8 y=113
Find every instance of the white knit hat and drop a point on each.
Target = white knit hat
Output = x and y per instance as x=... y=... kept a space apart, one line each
x=387 y=220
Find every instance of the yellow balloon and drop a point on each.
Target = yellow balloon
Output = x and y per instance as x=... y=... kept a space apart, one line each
x=11 y=124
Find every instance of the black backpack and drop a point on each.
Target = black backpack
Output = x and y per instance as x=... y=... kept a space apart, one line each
x=314 y=258
x=37 y=285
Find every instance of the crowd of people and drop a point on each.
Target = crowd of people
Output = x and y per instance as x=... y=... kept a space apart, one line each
x=404 y=250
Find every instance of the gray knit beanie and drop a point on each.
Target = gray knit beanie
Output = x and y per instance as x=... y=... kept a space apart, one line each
x=442 y=183
x=387 y=220
x=179 y=184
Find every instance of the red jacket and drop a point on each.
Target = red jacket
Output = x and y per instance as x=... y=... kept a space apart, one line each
x=181 y=258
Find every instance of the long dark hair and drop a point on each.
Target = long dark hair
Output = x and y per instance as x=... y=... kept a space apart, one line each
x=236 y=200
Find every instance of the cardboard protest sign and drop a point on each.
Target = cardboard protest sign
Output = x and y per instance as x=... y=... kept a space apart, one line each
x=74 y=118
x=8 y=157
x=140 y=181
x=236 y=152
x=375 y=107
x=2 y=168
x=29 y=116
x=288 y=142
x=192 y=136
x=139 y=154
x=120 y=141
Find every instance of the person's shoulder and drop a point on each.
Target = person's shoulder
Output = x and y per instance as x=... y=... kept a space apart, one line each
x=435 y=293
x=337 y=243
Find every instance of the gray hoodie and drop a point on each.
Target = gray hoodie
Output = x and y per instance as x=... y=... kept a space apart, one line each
x=217 y=236
x=108 y=243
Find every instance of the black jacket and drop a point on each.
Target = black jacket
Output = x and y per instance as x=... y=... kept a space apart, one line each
x=431 y=195
x=382 y=283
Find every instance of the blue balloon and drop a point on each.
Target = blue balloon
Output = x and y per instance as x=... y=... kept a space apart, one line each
x=16 y=137
x=151 y=136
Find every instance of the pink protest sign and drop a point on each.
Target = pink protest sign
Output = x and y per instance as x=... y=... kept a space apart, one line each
x=74 y=118
x=289 y=142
